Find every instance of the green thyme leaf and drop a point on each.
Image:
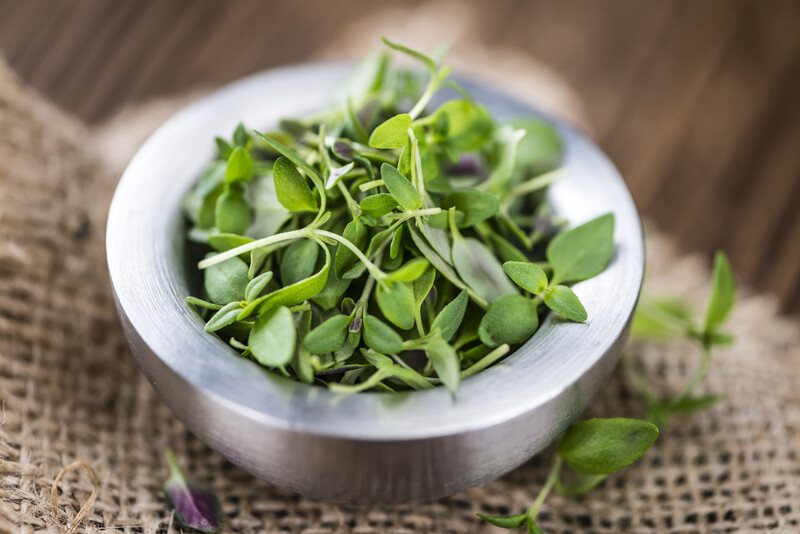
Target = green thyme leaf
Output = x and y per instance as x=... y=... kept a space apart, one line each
x=232 y=211
x=272 y=339
x=240 y=166
x=299 y=261
x=392 y=133
x=356 y=233
x=397 y=242
x=565 y=302
x=479 y=268
x=329 y=336
x=469 y=126
x=378 y=205
x=540 y=148
x=302 y=358
x=256 y=286
x=527 y=276
x=582 y=252
x=449 y=319
x=381 y=337
x=224 y=317
x=476 y=206
x=410 y=271
x=291 y=188
x=200 y=303
x=723 y=293
x=444 y=360
x=226 y=281
x=604 y=446
x=396 y=301
x=225 y=241
x=291 y=294
x=400 y=188
x=510 y=319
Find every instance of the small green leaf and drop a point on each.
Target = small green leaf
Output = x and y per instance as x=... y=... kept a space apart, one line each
x=476 y=206
x=292 y=294
x=505 y=521
x=331 y=295
x=409 y=376
x=225 y=282
x=692 y=403
x=378 y=205
x=391 y=133
x=240 y=135
x=604 y=446
x=298 y=261
x=224 y=149
x=240 y=166
x=256 y=286
x=401 y=189
x=224 y=317
x=582 y=252
x=469 y=125
x=272 y=339
x=422 y=287
x=444 y=359
x=432 y=256
x=451 y=316
x=723 y=293
x=232 y=211
x=396 y=301
x=200 y=303
x=329 y=336
x=565 y=302
x=302 y=360
x=356 y=233
x=381 y=337
x=527 y=276
x=479 y=268
x=410 y=271
x=541 y=147
x=268 y=213
x=510 y=319
x=397 y=242
x=291 y=188
x=223 y=242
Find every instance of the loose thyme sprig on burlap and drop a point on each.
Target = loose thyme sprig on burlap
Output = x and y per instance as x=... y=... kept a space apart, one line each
x=383 y=245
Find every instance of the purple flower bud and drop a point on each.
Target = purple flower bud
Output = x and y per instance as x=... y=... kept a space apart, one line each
x=194 y=507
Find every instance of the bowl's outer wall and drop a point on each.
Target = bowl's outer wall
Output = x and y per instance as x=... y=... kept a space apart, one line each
x=364 y=448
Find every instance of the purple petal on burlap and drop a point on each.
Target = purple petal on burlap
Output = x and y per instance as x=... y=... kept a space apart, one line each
x=194 y=507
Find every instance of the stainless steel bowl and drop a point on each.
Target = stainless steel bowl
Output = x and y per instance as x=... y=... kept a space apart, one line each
x=369 y=447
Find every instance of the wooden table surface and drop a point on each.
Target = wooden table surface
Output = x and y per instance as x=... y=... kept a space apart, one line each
x=698 y=103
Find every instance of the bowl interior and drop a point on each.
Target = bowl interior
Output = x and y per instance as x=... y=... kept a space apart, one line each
x=151 y=275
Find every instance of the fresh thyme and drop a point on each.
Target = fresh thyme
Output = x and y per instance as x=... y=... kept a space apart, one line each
x=388 y=244
x=596 y=448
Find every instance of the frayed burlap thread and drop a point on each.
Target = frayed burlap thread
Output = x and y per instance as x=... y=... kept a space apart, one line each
x=69 y=390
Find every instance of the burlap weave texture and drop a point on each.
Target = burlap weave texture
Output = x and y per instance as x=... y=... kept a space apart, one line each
x=69 y=390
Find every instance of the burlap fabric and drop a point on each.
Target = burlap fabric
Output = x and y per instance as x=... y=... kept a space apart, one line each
x=69 y=390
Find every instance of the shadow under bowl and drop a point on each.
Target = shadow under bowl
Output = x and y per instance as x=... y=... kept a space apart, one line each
x=370 y=447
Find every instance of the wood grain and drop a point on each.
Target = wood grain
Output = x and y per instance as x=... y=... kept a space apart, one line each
x=697 y=102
